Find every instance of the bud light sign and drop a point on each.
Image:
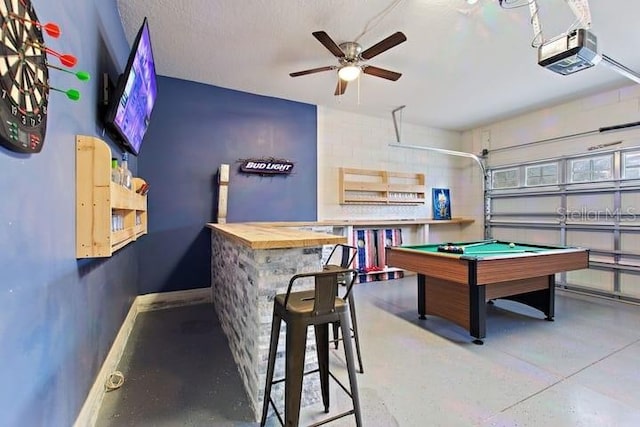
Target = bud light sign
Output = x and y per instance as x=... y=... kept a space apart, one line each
x=266 y=166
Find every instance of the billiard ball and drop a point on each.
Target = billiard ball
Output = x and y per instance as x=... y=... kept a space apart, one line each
x=512 y=245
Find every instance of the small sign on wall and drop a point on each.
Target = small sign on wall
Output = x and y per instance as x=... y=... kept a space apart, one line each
x=266 y=166
x=441 y=203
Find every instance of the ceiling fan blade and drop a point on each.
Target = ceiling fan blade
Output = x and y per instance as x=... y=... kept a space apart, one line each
x=386 y=44
x=381 y=72
x=340 y=87
x=328 y=43
x=313 y=70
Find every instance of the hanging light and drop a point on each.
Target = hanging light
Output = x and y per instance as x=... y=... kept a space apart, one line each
x=349 y=72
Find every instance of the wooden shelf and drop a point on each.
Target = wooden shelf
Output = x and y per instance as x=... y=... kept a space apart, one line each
x=98 y=200
x=366 y=222
x=375 y=187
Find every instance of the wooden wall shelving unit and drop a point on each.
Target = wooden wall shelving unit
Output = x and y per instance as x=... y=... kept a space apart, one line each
x=98 y=199
x=375 y=187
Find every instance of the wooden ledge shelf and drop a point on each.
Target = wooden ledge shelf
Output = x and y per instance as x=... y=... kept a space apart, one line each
x=398 y=222
x=98 y=200
x=376 y=187
x=366 y=222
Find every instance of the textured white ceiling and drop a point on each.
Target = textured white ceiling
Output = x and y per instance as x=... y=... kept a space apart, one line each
x=463 y=65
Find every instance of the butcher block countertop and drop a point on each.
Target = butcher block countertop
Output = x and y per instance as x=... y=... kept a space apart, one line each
x=271 y=236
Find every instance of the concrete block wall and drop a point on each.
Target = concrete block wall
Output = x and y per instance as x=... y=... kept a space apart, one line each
x=361 y=141
x=583 y=115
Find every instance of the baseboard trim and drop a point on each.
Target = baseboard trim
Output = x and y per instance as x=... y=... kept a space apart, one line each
x=162 y=300
x=89 y=412
x=88 y=415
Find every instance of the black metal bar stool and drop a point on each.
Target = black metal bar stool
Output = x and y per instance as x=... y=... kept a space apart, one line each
x=346 y=256
x=299 y=310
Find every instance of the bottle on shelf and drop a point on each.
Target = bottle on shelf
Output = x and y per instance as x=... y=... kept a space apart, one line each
x=115 y=171
x=126 y=173
x=117 y=222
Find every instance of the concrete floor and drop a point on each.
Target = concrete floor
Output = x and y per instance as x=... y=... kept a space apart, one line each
x=581 y=370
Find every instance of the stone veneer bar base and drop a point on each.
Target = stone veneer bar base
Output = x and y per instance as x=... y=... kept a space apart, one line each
x=244 y=282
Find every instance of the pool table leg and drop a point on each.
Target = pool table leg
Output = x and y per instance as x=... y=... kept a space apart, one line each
x=477 y=313
x=551 y=301
x=421 y=297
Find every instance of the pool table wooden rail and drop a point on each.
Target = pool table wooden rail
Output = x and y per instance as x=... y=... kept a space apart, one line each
x=493 y=269
x=519 y=267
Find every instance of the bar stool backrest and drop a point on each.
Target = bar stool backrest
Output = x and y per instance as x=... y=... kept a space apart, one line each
x=348 y=254
x=325 y=289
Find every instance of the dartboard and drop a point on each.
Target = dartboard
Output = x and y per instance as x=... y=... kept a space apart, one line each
x=24 y=78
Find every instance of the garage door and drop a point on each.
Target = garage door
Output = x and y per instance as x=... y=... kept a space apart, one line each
x=591 y=200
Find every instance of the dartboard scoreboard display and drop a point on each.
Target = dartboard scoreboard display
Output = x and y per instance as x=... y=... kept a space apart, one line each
x=24 y=78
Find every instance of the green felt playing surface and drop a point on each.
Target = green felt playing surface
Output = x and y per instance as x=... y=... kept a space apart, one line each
x=488 y=249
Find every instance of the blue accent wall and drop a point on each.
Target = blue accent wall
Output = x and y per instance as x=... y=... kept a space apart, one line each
x=194 y=129
x=58 y=315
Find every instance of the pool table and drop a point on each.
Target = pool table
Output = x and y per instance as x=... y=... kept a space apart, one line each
x=457 y=286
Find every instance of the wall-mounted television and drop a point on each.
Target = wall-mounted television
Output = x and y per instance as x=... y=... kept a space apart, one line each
x=130 y=104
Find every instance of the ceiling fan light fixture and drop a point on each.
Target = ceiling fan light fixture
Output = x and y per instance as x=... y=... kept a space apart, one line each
x=349 y=73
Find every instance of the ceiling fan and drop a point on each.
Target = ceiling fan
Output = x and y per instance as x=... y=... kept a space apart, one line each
x=352 y=59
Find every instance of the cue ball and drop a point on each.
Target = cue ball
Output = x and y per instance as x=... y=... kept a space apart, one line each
x=512 y=245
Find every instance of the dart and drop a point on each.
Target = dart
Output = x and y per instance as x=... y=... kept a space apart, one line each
x=72 y=94
x=50 y=28
x=66 y=59
x=81 y=75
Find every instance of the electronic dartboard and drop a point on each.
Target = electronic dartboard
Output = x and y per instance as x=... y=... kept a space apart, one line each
x=24 y=78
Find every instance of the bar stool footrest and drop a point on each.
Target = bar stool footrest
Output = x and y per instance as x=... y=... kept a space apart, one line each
x=322 y=422
x=335 y=417
x=281 y=380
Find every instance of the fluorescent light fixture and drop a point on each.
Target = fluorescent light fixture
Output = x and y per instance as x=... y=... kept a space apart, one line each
x=349 y=73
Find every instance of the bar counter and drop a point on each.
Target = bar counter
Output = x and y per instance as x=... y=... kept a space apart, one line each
x=276 y=235
x=250 y=264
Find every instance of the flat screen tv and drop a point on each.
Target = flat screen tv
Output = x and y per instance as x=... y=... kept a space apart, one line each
x=130 y=105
